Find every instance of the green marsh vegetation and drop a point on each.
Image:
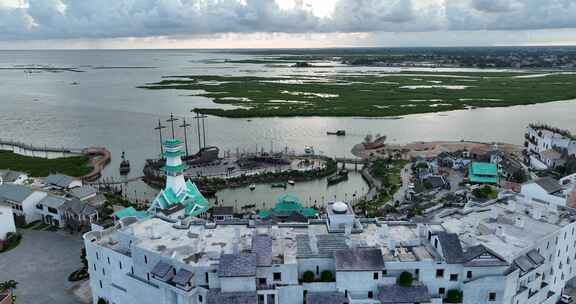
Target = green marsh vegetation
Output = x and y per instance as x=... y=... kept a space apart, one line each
x=370 y=95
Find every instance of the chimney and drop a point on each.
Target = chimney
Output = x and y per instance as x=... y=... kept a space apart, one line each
x=391 y=245
x=537 y=213
x=519 y=222
x=511 y=205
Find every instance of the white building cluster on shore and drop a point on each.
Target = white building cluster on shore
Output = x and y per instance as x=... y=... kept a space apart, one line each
x=505 y=251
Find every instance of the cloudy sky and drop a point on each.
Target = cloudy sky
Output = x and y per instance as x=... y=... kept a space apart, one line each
x=284 y=23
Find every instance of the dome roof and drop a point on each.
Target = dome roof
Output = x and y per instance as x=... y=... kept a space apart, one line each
x=339 y=207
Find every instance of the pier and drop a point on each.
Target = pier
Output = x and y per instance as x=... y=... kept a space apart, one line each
x=100 y=158
x=37 y=151
x=351 y=161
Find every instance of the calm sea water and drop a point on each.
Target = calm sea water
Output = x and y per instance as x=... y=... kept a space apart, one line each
x=106 y=109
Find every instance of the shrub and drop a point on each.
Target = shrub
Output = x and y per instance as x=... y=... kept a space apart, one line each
x=327 y=276
x=102 y=301
x=405 y=279
x=308 y=277
x=453 y=296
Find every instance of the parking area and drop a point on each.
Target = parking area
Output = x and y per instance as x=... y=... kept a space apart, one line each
x=41 y=265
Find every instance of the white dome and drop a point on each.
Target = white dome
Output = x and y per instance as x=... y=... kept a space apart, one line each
x=339 y=207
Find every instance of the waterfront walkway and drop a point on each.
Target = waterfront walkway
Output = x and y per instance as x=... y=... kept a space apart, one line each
x=100 y=157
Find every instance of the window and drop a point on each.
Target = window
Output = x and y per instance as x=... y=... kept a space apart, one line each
x=439 y=273
x=375 y=276
x=103 y=271
x=277 y=276
x=39 y=206
x=492 y=296
x=260 y=299
x=370 y=295
x=441 y=290
x=384 y=272
x=261 y=281
x=97 y=256
x=206 y=278
x=100 y=284
x=108 y=260
x=200 y=299
x=453 y=277
x=145 y=260
x=132 y=269
x=120 y=264
x=317 y=270
x=271 y=299
x=469 y=275
x=436 y=243
x=148 y=276
x=94 y=267
x=52 y=210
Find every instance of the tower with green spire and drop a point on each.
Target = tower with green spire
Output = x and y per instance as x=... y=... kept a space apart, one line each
x=178 y=191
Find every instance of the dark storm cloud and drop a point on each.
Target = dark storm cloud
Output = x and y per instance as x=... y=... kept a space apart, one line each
x=63 y=19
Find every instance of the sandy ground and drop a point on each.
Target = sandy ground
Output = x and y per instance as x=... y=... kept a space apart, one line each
x=432 y=149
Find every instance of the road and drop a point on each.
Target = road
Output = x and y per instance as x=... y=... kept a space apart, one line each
x=41 y=265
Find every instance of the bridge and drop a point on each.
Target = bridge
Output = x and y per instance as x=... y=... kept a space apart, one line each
x=351 y=161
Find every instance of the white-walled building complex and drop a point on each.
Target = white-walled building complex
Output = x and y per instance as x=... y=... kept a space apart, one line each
x=508 y=252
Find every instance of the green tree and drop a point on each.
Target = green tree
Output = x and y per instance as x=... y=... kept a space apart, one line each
x=405 y=279
x=454 y=296
x=102 y=301
x=308 y=277
x=327 y=276
x=8 y=285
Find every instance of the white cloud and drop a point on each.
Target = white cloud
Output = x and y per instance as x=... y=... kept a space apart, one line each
x=71 y=19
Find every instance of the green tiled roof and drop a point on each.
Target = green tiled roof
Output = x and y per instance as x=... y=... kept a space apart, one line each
x=130 y=211
x=484 y=169
x=173 y=153
x=172 y=142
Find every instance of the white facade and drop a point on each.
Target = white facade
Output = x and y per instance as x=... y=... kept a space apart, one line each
x=509 y=253
x=6 y=221
x=27 y=207
x=540 y=140
x=533 y=191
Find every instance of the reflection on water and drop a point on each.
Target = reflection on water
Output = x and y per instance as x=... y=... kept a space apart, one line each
x=107 y=109
x=312 y=193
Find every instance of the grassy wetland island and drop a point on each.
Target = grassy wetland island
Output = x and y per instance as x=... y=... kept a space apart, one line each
x=385 y=85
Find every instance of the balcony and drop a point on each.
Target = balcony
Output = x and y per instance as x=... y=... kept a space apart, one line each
x=265 y=286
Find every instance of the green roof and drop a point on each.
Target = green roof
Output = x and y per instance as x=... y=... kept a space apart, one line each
x=173 y=153
x=130 y=211
x=287 y=205
x=484 y=173
x=172 y=142
x=484 y=169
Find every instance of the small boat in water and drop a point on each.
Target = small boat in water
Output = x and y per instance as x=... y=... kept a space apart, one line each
x=339 y=177
x=291 y=182
x=279 y=185
x=252 y=187
x=337 y=133
x=308 y=150
x=124 y=165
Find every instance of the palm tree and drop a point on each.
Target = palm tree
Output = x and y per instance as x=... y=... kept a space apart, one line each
x=8 y=286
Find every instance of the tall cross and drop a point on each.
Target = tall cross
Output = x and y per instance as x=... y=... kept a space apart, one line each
x=171 y=121
x=185 y=126
x=159 y=128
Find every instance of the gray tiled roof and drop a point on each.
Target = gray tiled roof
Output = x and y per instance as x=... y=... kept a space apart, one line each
x=451 y=247
x=327 y=245
x=326 y=298
x=237 y=265
x=217 y=297
x=82 y=192
x=262 y=247
x=161 y=269
x=359 y=259
x=9 y=176
x=524 y=263
x=475 y=251
x=59 y=180
x=222 y=210
x=53 y=201
x=549 y=184
x=15 y=193
x=182 y=277
x=397 y=294
x=536 y=257
x=78 y=207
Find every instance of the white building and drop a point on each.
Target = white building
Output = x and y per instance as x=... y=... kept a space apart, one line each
x=50 y=211
x=543 y=144
x=12 y=177
x=546 y=190
x=508 y=252
x=6 y=221
x=23 y=201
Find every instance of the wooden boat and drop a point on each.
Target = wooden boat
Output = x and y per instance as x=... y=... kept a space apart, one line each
x=337 y=133
x=291 y=182
x=124 y=165
x=339 y=177
x=279 y=185
x=252 y=187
